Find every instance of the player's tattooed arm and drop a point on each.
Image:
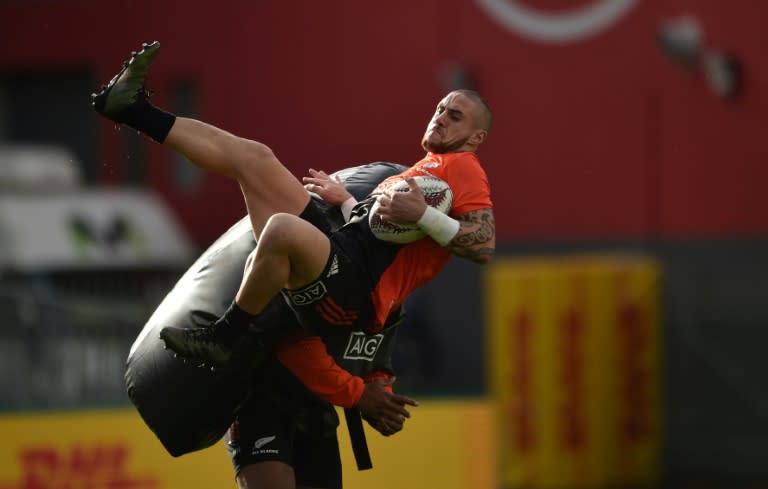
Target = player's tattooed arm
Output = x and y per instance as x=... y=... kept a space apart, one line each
x=476 y=239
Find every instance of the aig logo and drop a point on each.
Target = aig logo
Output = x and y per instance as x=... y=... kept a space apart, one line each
x=362 y=346
x=309 y=294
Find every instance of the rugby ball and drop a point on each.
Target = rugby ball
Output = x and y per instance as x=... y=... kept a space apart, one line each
x=437 y=194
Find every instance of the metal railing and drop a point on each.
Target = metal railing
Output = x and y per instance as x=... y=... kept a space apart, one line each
x=64 y=342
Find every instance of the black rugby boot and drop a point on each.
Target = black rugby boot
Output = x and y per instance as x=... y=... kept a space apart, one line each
x=237 y=341
x=212 y=346
x=128 y=87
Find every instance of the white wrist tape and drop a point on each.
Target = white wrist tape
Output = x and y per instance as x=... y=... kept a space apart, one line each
x=441 y=227
x=346 y=208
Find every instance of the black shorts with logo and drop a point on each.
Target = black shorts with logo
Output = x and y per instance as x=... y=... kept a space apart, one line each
x=341 y=296
x=283 y=422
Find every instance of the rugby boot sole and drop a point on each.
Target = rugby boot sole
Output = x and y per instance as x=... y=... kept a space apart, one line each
x=128 y=86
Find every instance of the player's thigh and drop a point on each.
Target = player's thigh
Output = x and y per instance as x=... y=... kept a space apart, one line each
x=269 y=188
x=266 y=475
x=306 y=247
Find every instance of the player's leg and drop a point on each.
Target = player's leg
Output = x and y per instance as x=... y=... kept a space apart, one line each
x=290 y=253
x=260 y=444
x=267 y=186
x=266 y=475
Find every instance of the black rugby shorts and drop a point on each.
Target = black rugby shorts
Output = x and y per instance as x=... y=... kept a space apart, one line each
x=265 y=432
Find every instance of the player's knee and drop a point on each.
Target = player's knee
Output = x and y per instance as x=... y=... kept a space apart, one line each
x=279 y=231
x=281 y=220
x=250 y=258
x=253 y=161
x=254 y=152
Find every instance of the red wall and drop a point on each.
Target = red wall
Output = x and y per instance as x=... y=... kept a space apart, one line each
x=597 y=138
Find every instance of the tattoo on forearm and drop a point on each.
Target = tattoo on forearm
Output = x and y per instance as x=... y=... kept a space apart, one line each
x=481 y=227
x=476 y=238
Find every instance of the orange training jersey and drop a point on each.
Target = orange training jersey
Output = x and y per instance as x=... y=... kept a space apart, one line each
x=416 y=263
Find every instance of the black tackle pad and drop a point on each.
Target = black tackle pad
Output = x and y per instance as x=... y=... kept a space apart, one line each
x=190 y=408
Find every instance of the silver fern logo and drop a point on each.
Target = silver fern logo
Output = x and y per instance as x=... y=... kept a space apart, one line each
x=262 y=441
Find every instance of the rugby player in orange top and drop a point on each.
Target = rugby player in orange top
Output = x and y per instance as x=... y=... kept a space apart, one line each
x=347 y=278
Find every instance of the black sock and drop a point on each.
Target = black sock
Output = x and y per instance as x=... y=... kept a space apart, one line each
x=148 y=119
x=234 y=322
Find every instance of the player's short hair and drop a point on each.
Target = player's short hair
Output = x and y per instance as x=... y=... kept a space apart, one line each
x=487 y=114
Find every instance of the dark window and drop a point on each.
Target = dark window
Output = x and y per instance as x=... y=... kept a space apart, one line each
x=51 y=108
x=186 y=177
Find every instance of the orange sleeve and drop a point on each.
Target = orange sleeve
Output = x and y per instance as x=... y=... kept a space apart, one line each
x=308 y=359
x=469 y=182
x=380 y=374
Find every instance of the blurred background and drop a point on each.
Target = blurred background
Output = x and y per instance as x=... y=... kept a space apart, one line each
x=616 y=341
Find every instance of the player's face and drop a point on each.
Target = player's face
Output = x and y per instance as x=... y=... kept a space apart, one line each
x=452 y=125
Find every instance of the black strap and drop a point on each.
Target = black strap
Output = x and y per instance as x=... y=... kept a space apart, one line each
x=357 y=437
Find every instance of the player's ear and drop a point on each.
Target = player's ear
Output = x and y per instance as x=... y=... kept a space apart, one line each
x=478 y=137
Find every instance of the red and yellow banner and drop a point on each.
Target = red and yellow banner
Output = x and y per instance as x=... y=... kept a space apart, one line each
x=99 y=450
x=446 y=444
x=574 y=354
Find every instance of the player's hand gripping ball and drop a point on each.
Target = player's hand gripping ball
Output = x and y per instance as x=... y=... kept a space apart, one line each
x=437 y=194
